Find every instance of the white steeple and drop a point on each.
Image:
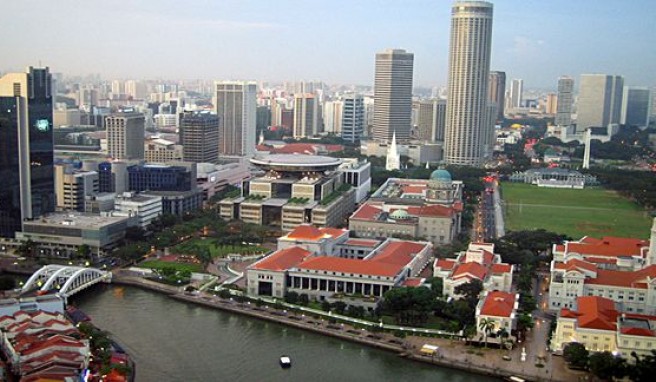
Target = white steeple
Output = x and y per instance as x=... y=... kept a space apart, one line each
x=261 y=141
x=586 y=154
x=393 y=157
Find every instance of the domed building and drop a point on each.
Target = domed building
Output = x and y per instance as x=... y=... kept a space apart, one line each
x=426 y=209
x=441 y=189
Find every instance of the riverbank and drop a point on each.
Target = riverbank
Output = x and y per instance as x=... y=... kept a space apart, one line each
x=452 y=354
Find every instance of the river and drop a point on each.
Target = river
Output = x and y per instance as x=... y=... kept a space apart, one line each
x=173 y=341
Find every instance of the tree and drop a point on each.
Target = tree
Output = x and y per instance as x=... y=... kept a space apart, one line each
x=26 y=248
x=486 y=325
x=291 y=297
x=303 y=299
x=325 y=306
x=644 y=368
x=576 y=355
x=437 y=285
x=471 y=290
x=225 y=294
x=83 y=251
x=606 y=366
x=339 y=307
x=7 y=282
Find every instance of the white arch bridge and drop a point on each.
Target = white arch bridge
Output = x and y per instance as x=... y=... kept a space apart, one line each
x=66 y=279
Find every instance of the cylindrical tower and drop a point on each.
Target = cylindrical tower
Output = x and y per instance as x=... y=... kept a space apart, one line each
x=469 y=68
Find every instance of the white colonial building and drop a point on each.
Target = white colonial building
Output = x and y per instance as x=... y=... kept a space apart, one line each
x=478 y=262
x=498 y=308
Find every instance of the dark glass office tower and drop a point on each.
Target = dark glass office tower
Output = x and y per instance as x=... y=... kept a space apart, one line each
x=26 y=148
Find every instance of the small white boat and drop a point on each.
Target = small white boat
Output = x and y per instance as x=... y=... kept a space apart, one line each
x=285 y=362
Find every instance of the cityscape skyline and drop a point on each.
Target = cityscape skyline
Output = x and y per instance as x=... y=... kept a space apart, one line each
x=293 y=41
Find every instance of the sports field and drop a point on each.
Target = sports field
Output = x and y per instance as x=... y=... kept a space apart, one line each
x=590 y=211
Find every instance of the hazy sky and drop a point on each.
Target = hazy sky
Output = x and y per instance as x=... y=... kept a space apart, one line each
x=335 y=41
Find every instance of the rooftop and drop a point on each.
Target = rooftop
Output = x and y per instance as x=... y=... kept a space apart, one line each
x=283 y=259
x=296 y=161
x=498 y=304
x=70 y=219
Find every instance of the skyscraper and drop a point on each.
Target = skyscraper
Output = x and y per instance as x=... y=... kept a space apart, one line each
x=352 y=123
x=565 y=100
x=393 y=95
x=430 y=119
x=551 y=104
x=516 y=93
x=236 y=107
x=199 y=135
x=125 y=135
x=497 y=92
x=635 y=106
x=600 y=101
x=305 y=115
x=469 y=67
x=26 y=148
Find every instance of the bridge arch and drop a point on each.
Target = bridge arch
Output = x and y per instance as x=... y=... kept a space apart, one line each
x=42 y=274
x=82 y=279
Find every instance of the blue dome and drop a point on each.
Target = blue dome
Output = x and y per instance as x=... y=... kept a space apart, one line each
x=441 y=175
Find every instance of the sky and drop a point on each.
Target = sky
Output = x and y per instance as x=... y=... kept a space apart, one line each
x=334 y=41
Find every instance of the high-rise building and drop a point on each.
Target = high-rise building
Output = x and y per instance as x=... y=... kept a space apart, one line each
x=125 y=135
x=497 y=92
x=469 y=66
x=600 y=101
x=73 y=186
x=551 y=104
x=199 y=135
x=236 y=107
x=26 y=148
x=305 y=115
x=565 y=101
x=430 y=119
x=439 y=121
x=332 y=116
x=516 y=93
x=635 y=106
x=352 y=123
x=393 y=95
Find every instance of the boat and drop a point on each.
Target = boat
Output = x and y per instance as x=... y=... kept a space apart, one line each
x=285 y=362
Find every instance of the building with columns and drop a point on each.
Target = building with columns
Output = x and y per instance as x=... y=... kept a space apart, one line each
x=327 y=265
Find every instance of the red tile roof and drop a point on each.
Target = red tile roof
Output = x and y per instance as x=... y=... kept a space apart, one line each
x=435 y=210
x=367 y=211
x=638 y=332
x=608 y=246
x=334 y=232
x=413 y=189
x=362 y=243
x=596 y=312
x=501 y=268
x=560 y=247
x=446 y=264
x=355 y=266
x=282 y=260
x=306 y=232
x=398 y=252
x=473 y=269
x=637 y=279
x=498 y=304
x=576 y=264
x=413 y=282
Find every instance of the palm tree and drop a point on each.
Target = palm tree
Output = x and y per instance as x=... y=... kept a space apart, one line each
x=486 y=325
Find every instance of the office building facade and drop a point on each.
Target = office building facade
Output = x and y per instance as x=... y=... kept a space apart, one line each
x=125 y=135
x=600 y=101
x=565 y=101
x=199 y=134
x=352 y=123
x=393 y=95
x=305 y=115
x=497 y=92
x=236 y=107
x=516 y=93
x=635 y=106
x=469 y=66
x=26 y=148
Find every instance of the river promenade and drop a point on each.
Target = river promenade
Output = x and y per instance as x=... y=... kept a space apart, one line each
x=452 y=353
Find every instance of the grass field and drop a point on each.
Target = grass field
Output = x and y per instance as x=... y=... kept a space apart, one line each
x=157 y=264
x=591 y=211
x=217 y=251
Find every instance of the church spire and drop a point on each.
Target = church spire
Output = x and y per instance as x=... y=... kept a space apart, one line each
x=393 y=158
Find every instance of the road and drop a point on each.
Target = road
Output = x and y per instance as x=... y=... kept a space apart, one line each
x=485 y=222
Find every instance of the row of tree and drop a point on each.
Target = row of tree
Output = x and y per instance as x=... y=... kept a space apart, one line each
x=608 y=367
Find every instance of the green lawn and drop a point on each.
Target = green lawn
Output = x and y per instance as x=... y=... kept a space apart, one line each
x=590 y=211
x=190 y=247
x=157 y=264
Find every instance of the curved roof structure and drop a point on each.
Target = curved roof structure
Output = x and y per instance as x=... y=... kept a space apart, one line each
x=441 y=175
x=296 y=162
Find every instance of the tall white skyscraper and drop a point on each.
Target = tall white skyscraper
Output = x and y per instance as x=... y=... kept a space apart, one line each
x=600 y=101
x=236 y=106
x=393 y=95
x=332 y=116
x=305 y=115
x=125 y=135
x=352 y=123
x=636 y=102
x=469 y=67
x=516 y=93
x=565 y=100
